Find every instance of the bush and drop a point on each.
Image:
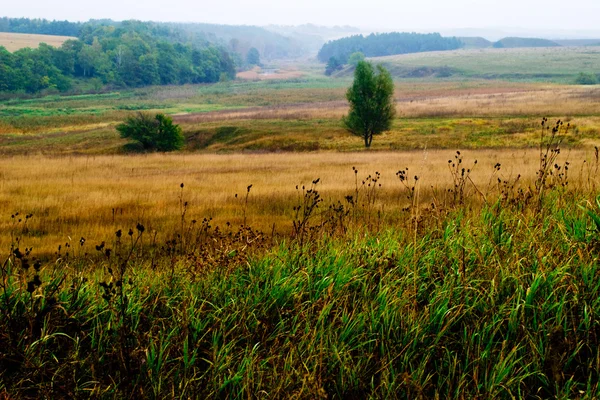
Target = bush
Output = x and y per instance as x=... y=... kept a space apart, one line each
x=586 y=79
x=153 y=133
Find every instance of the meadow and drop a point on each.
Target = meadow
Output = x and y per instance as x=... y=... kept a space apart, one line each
x=476 y=277
x=301 y=115
x=274 y=258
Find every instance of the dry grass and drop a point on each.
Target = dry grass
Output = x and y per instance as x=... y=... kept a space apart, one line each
x=257 y=74
x=71 y=197
x=438 y=102
x=16 y=41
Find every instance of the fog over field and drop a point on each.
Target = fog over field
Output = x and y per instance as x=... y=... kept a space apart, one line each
x=512 y=16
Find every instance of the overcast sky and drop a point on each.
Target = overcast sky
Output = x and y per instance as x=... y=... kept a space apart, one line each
x=401 y=15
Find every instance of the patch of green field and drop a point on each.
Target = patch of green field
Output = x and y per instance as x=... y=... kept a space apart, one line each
x=311 y=135
x=556 y=64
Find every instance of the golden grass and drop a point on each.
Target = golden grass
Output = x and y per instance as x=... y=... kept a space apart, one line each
x=92 y=197
x=16 y=41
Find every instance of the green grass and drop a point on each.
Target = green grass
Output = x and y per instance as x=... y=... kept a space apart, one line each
x=557 y=64
x=492 y=302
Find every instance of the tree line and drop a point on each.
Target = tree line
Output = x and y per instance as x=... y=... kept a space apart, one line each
x=40 y=26
x=130 y=54
x=386 y=44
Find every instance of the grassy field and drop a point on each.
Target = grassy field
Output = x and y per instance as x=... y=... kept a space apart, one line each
x=91 y=196
x=468 y=283
x=553 y=64
x=274 y=258
x=17 y=41
x=302 y=115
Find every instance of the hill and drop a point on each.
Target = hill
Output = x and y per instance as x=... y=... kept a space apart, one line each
x=240 y=38
x=516 y=42
x=131 y=54
x=549 y=64
x=237 y=38
x=16 y=41
x=475 y=42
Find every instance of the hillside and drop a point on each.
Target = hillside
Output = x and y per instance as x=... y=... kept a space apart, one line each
x=516 y=42
x=475 y=42
x=16 y=41
x=237 y=38
x=240 y=38
x=551 y=64
x=131 y=54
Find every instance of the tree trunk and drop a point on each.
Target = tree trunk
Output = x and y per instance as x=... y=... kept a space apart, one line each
x=368 y=139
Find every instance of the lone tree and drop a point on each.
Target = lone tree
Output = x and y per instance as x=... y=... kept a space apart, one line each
x=371 y=102
x=153 y=133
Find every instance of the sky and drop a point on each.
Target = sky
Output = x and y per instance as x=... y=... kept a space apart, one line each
x=372 y=15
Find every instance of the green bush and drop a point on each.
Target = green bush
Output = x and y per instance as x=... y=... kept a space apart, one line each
x=153 y=133
x=586 y=79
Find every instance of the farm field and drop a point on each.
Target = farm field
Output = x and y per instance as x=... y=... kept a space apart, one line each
x=16 y=41
x=274 y=257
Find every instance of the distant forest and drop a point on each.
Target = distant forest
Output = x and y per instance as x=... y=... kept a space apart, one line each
x=40 y=26
x=386 y=44
x=133 y=54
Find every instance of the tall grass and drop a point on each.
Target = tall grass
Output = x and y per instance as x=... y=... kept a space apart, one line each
x=484 y=288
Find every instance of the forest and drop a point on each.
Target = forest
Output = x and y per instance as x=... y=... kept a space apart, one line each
x=130 y=54
x=386 y=44
x=40 y=26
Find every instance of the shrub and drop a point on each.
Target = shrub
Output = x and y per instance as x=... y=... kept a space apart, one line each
x=153 y=133
x=586 y=79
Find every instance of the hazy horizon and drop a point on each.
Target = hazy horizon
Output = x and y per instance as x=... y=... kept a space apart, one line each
x=427 y=15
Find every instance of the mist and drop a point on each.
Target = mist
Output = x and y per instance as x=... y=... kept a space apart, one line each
x=547 y=16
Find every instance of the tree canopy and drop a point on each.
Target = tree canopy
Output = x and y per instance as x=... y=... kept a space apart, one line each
x=371 y=102
x=153 y=133
x=130 y=54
